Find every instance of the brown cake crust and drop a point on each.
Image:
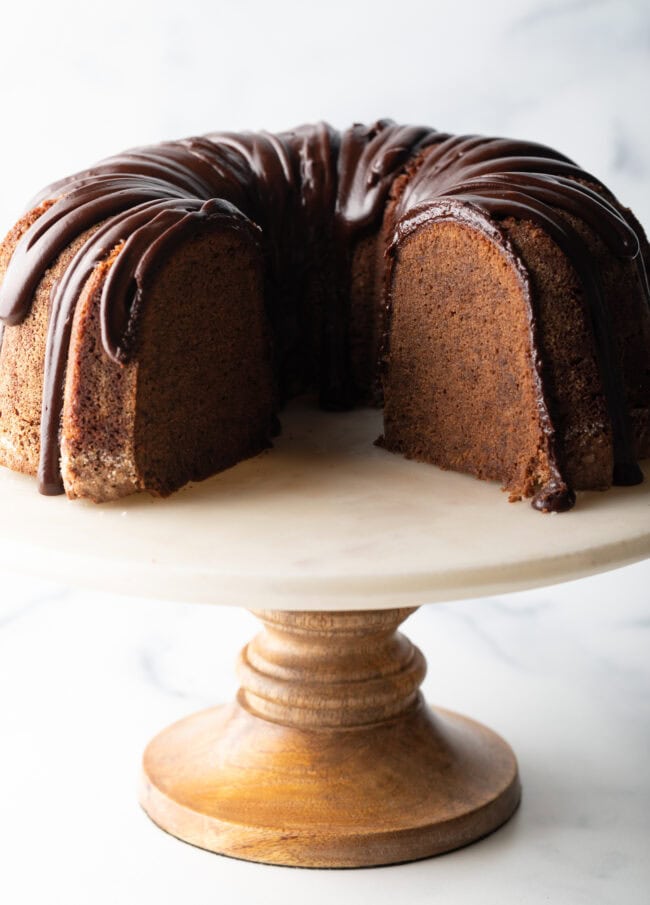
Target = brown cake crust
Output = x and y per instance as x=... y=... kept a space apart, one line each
x=570 y=376
x=98 y=459
x=22 y=357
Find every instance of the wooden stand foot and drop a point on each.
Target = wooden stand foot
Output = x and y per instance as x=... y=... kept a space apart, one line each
x=329 y=757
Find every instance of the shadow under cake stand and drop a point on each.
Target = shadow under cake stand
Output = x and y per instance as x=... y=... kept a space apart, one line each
x=329 y=757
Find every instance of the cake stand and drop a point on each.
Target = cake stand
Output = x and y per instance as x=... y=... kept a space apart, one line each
x=329 y=757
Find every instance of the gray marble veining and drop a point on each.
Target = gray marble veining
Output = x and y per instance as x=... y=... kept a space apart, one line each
x=563 y=673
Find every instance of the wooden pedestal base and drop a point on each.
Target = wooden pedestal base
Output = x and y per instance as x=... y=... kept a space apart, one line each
x=329 y=757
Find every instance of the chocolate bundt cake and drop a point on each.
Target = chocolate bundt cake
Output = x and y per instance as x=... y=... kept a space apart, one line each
x=160 y=307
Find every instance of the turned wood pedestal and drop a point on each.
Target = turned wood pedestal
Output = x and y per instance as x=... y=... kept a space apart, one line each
x=329 y=757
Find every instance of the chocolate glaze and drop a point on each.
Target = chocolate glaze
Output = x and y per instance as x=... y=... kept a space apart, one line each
x=315 y=193
x=371 y=156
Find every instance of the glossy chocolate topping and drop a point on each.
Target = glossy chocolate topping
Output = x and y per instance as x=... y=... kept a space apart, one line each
x=314 y=192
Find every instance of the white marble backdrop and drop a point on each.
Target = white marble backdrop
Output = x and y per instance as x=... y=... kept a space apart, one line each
x=80 y=81
x=86 y=679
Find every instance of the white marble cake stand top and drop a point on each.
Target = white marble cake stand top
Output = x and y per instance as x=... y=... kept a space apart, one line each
x=325 y=520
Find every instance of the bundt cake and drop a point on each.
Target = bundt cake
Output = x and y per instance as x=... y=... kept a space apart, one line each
x=160 y=307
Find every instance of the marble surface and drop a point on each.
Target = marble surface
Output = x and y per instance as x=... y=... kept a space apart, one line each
x=324 y=520
x=87 y=679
